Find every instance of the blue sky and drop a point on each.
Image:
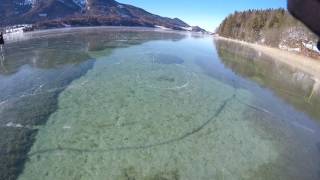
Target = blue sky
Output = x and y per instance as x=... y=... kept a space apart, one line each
x=205 y=13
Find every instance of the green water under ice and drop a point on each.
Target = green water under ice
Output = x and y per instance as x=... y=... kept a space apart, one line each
x=131 y=114
x=157 y=105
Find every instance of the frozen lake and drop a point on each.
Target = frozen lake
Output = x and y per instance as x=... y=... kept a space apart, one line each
x=141 y=104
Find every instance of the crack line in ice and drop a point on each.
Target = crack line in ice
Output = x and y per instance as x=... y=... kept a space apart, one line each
x=170 y=141
x=305 y=128
x=42 y=92
x=255 y=107
x=185 y=85
x=171 y=88
x=294 y=123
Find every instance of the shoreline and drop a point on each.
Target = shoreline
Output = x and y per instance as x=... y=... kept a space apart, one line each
x=15 y=37
x=297 y=61
x=41 y=33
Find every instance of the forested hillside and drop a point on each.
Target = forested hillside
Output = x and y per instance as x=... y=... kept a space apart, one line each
x=272 y=27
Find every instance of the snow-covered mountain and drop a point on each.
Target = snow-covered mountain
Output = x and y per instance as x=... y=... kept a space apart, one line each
x=30 y=1
x=81 y=3
x=60 y=13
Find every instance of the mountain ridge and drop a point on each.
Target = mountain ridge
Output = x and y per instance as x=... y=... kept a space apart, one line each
x=44 y=14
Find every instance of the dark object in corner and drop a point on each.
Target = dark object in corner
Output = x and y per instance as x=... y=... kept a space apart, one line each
x=318 y=45
x=308 y=12
x=1 y=39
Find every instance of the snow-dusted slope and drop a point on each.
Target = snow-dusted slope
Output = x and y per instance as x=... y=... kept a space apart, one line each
x=59 y=13
x=80 y=3
x=31 y=2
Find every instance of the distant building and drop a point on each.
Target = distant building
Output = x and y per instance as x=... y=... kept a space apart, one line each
x=18 y=28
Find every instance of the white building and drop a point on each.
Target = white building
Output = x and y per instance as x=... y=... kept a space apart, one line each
x=17 y=28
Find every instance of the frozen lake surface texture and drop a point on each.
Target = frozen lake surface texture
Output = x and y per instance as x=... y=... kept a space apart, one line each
x=142 y=104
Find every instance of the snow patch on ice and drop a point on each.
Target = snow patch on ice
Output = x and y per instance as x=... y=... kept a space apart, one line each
x=66 y=127
x=10 y=124
x=162 y=27
x=187 y=28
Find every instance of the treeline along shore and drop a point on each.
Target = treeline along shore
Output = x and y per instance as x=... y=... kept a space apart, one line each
x=271 y=27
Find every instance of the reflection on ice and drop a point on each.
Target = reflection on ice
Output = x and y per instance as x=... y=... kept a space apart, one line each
x=151 y=105
x=296 y=87
x=33 y=75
